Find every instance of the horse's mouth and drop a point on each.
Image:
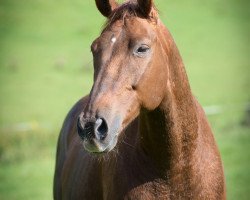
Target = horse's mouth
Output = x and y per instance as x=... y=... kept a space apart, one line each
x=96 y=147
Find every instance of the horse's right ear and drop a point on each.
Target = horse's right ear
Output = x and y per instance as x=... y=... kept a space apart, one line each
x=145 y=7
x=106 y=6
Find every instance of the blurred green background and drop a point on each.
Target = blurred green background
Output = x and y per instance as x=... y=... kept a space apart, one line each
x=46 y=66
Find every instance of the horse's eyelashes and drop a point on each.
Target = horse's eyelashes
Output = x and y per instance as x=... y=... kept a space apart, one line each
x=141 y=50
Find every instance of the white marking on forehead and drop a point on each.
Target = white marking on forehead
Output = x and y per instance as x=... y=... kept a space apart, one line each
x=113 y=39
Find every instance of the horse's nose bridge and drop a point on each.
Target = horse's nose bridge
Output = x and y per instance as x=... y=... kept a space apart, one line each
x=100 y=102
x=105 y=89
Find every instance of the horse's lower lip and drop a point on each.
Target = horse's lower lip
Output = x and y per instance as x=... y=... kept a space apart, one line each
x=99 y=148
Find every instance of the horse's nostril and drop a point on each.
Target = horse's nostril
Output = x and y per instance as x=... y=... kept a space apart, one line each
x=85 y=130
x=89 y=127
x=97 y=128
x=101 y=129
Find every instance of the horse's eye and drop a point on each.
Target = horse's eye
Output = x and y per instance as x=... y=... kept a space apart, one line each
x=141 y=50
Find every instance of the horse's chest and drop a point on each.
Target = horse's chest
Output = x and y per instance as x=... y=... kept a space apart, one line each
x=142 y=191
x=124 y=177
x=132 y=182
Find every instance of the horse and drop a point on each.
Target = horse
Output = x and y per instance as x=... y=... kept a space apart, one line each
x=140 y=134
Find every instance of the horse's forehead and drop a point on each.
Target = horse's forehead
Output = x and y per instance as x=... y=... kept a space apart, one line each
x=133 y=26
x=138 y=28
x=137 y=23
x=112 y=31
x=117 y=25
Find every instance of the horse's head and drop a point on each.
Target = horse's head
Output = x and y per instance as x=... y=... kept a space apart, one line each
x=129 y=73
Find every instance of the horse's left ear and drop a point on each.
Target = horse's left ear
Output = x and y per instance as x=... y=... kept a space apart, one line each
x=106 y=6
x=145 y=6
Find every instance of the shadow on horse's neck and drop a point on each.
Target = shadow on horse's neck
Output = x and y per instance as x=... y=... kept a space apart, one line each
x=168 y=133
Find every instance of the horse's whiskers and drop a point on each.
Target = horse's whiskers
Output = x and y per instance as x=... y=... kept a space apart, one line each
x=128 y=144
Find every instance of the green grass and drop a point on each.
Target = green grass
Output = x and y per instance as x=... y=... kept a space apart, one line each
x=235 y=148
x=31 y=179
x=46 y=66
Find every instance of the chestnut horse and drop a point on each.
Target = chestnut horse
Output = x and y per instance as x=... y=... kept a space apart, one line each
x=143 y=135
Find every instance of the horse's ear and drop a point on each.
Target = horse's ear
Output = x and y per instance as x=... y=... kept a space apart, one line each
x=106 y=6
x=145 y=6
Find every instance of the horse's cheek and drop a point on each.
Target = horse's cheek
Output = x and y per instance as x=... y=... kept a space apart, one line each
x=152 y=96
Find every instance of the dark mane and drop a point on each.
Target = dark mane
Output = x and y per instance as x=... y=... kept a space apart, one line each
x=127 y=10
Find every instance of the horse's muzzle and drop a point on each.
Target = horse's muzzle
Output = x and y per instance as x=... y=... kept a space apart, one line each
x=95 y=134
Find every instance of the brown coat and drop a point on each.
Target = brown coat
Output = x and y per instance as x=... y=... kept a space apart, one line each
x=144 y=135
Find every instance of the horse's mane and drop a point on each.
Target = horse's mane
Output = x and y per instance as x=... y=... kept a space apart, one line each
x=127 y=10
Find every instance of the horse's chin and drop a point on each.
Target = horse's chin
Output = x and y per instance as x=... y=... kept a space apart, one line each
x=96 y=147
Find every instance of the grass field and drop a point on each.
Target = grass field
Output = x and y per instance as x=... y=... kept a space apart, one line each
x=46 y=66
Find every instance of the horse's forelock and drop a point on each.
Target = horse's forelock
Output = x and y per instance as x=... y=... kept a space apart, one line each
x=129 y=9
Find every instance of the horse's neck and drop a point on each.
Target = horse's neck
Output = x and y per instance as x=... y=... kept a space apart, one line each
x=169 y=133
